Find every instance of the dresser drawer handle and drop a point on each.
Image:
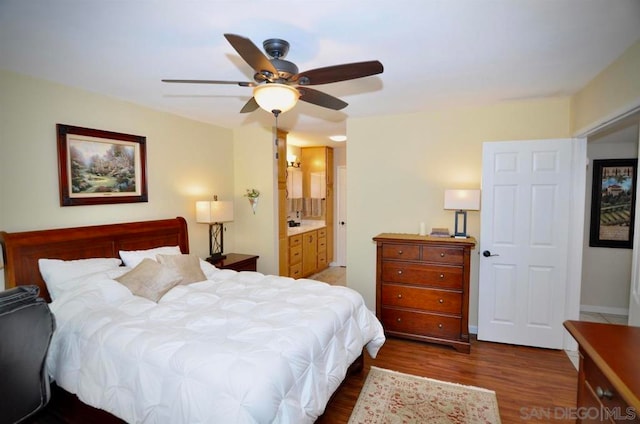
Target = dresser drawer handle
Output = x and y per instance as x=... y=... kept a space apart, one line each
x=603 y=393
x=399 y=295
x=399 y=252
x=440 y=325
x=442 y=255
x=399 y=319
x=441 y=301
x=441 y=276
x=399 y=272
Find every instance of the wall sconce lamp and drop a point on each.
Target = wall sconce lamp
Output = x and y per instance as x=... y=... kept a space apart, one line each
x=215 y=213
x=292 y=161
x=276 y=98
x=461 y=201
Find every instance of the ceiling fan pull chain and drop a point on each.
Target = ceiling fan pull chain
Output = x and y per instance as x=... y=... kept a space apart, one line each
x=276 y=112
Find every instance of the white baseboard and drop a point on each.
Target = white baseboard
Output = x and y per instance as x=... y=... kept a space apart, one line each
x=574 y=357
x=604 y=310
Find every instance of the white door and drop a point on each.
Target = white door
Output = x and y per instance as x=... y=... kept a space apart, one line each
x=524 y=250
x=341 y=221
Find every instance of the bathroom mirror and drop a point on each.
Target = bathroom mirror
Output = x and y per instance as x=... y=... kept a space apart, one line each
x=307 y=185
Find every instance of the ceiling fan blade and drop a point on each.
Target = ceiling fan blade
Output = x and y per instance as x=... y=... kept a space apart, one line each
x=319 y=98
x=190 y=81
x=337 y=73
x=251 y=54
x=250 y=106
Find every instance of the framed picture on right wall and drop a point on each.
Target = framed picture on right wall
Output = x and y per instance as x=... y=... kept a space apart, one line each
x=613 y=202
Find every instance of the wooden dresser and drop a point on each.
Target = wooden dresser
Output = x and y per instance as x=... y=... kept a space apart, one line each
x=609 y=373
x=422 y=288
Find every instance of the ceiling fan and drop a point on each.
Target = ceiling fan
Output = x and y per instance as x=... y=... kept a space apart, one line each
x=278 y=77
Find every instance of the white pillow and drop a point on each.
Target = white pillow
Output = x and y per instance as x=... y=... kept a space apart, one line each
x=55 y=272
x=209 y=270
x=97 y=288
x=132 y=258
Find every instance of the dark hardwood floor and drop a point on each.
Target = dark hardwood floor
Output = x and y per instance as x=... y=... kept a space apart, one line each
x=535 y=385
x=531 y=384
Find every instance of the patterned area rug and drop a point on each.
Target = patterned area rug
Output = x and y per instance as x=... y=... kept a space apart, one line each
x=393 y=397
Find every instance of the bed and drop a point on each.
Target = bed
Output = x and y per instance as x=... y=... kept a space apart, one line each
x=236 y=347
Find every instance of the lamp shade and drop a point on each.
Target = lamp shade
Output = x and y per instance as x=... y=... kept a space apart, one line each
x=274 y=96
x=468 y=200
x=211 y=212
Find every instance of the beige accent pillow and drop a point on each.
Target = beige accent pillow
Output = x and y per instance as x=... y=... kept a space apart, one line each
x=150 y=279
x=188 y=266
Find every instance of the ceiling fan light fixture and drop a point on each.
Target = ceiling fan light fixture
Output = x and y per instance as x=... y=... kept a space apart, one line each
x=274 y=96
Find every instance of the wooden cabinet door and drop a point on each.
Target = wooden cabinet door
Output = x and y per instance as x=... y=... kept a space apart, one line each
x=309 y=252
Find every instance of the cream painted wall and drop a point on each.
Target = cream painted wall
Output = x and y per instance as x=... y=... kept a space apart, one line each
x=186 y=160
x=339 y=157
x=399 y=167
x=614 y=91
x=606 y=272
x=255 y=166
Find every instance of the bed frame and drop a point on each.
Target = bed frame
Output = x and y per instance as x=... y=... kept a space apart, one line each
x=21 y=251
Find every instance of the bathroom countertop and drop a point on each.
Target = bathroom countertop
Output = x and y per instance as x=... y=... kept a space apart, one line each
x=305 y=226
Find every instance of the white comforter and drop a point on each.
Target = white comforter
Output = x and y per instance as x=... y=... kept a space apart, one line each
x=238 y=348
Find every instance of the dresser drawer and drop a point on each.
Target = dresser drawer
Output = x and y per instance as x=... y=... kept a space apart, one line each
x=445 y=255
x=443 y=301
x=295 y=241
x=401 y=251
x=295 y=271
x=420 y=323
x=295 y=255
x=601 y=388
x=322 y=259
x=322 y=232
x=322 y=244
x=415 y=273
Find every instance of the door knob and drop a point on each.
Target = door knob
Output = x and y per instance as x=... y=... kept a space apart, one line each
x=487 y=253
x=342 y=222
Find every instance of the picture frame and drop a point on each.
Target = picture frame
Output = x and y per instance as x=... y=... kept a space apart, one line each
x=97 y=167
x=613 y=201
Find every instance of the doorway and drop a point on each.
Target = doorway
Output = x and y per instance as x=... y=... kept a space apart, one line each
x=607 y=272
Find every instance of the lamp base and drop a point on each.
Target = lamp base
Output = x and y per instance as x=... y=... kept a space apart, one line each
x=216 y=242
x=460 y=228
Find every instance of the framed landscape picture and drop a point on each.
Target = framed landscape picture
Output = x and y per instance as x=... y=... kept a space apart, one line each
x=100 y=167
x=613 y=201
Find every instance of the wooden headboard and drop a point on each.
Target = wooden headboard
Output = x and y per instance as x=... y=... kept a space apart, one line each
x=21 y=251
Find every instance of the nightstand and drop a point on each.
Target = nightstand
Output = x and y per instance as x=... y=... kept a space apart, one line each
x=237 y=262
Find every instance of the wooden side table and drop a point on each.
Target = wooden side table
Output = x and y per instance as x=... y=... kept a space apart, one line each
x=237 y=262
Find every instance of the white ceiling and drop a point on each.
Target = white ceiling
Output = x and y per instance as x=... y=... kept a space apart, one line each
x=436 y=53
